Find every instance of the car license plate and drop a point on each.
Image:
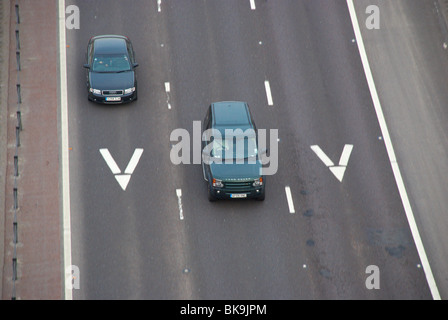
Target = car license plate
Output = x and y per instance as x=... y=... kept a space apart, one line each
x=238 y=195
x=113 y=98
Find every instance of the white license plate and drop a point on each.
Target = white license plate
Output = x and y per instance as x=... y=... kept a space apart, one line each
x=238 y=195
x=113 y=98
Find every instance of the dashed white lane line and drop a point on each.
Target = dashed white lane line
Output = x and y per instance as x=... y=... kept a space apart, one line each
x=289 y=199
x=179 y=202
x=159 y=5
x=168 y=90
x=390 y=151
x=267 y=86
x=252 y=5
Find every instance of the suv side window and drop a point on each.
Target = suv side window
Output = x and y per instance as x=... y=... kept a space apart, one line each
x=206 y=125
x=207 y=120
x=252 y=120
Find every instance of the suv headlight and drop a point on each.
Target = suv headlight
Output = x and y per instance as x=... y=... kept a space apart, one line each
x=217 y=183
x=130 y=90
x=95 y=91
x=258 y=182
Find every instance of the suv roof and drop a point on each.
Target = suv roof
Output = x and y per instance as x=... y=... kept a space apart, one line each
x=231 y=114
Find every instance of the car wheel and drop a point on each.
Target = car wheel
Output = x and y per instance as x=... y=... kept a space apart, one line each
x=211 y=197
x=261 y=196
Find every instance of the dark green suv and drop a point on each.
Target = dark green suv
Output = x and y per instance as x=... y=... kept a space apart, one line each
x=230 y=155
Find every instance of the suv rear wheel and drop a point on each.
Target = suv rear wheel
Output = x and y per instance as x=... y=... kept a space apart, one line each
x=261 y=197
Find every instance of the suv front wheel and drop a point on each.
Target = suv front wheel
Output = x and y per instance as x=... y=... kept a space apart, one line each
x=211 y=197
x=261 y=196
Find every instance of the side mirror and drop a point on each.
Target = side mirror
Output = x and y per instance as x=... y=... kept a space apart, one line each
x=135 y=65
x=87 y=66
x=205 y=156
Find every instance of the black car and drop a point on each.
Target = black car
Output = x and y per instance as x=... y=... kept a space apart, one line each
x=110 y=64
x=231 y=163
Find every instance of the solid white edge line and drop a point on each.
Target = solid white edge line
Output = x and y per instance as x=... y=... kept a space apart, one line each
x=267 y=86
x=289 y=199
x=395 y=168
x=65 y=154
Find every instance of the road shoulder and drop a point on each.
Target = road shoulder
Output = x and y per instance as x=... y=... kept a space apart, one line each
x=4 y=80
x=38 y=247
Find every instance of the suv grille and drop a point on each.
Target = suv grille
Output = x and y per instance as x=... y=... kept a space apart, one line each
x=238 y=185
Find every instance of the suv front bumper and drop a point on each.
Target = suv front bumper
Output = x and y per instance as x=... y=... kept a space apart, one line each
x=225 y=193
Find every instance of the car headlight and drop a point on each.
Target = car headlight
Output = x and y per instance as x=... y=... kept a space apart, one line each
x=217 y=183
x=130 y=90
x=95 y=91
x=258 y=182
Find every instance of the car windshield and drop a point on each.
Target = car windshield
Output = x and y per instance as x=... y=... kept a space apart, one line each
x=111 y=63
x=241 y=147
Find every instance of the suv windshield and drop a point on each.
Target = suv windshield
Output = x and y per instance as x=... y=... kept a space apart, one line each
x=235 y=147
x=111 y=63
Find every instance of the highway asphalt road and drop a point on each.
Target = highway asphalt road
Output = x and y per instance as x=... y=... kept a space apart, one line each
x=147 y=242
